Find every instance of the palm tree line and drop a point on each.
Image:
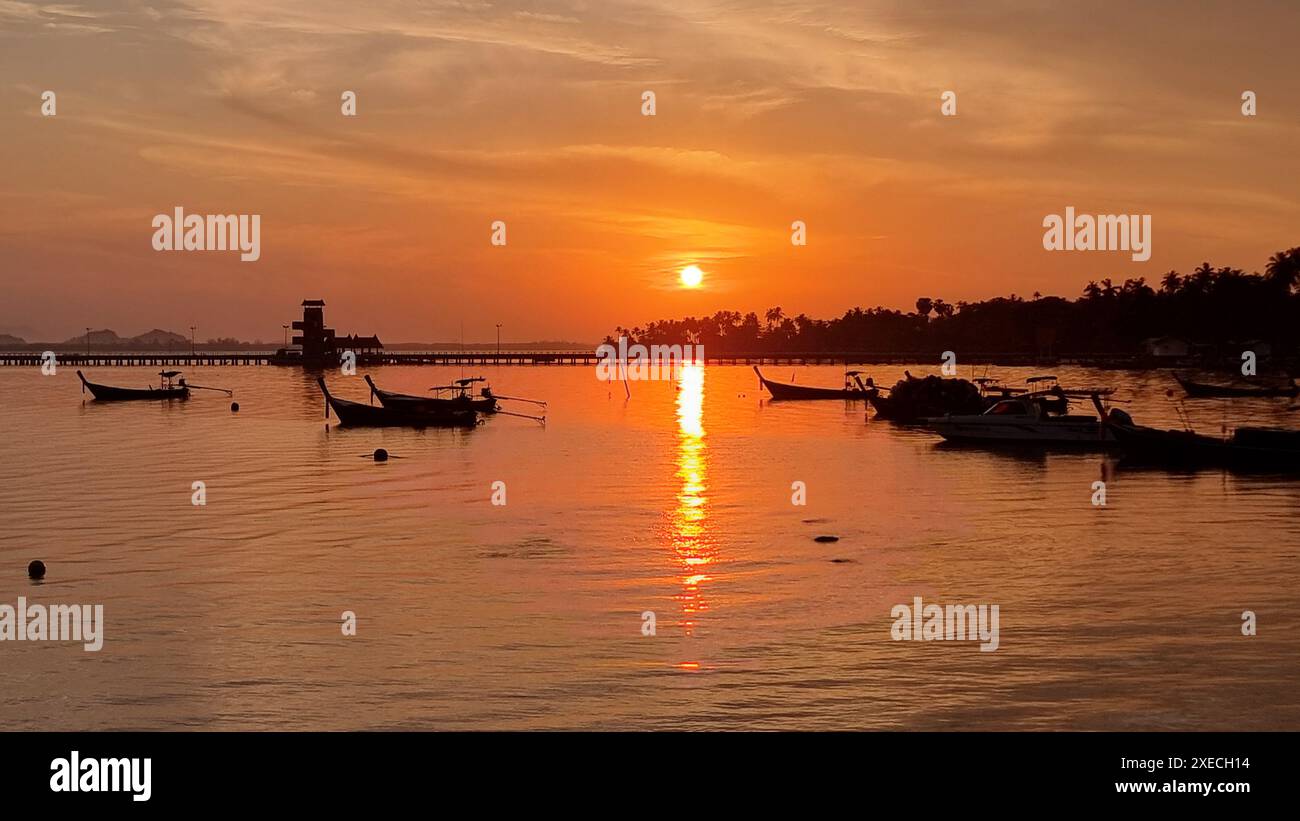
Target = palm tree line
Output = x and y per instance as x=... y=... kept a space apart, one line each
x=1210 y=306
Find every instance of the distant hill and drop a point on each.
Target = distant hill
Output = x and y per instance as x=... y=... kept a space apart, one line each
x=159 y=339
x=107 y=339
x=101 y=338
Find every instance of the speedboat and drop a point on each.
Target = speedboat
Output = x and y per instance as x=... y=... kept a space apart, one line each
x=1041 y=418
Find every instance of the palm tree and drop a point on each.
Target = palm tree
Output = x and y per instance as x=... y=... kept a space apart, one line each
x=1283 y=269
x=1200 y=279
x=1171 y=283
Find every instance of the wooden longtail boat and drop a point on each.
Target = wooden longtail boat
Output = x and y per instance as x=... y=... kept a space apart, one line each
x=487 y=403
x=912 y=398
x=915 y=398
x=108 y=393
x=1202 y=390
x=358 y=414
x=1276 y=449
x=854 y=388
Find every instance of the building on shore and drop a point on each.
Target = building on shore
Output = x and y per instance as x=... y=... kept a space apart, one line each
x=318 y=345
x=1166 y=347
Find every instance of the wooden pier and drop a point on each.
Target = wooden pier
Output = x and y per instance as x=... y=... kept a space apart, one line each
x=569 y=357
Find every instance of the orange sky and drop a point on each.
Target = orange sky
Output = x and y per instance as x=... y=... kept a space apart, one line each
x=768 y=112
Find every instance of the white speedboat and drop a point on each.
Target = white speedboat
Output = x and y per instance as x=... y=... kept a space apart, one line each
x=1035 y=418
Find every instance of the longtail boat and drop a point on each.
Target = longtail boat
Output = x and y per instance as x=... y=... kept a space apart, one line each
x=166 y=390
x=914 y=398
x=359 y=414
x=485 y=403
x=1203 y=390
x=1246 y=448
x=854 y=388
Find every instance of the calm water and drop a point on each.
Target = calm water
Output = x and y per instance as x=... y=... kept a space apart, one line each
x=528 y=615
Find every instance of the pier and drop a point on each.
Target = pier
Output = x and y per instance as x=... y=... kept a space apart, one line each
x=588 y=357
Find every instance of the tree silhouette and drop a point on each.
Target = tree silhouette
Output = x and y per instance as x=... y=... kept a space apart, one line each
x=1210 y=306
x=1283 y=269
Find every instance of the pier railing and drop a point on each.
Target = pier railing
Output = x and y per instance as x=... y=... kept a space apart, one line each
x=577 y=357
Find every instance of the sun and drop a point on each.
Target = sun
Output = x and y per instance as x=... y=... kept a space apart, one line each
x=691 y=276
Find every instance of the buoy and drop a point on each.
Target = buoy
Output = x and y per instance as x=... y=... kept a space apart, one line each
x=234 y=407
x=826 y=538
x=36 y=569
x=381 y=455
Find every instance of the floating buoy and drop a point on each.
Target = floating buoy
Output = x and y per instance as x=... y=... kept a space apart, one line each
x=826 y=539
x=36 y=569
x=381 y=455
x=234 y=407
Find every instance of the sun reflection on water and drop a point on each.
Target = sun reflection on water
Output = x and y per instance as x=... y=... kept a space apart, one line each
x=691 y=540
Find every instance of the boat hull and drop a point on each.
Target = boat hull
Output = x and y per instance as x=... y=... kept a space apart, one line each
x=359 y=414
x=912 y=399
x=430 y=404
x=1065 y=431
x=356 y=414
x=892 y=410
x=1201 y=390
x=786 y=391
x=108 y=393
x=1249 y=448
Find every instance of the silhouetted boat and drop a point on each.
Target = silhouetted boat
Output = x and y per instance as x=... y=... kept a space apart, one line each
x=1202 y=390
x=358 y=414
x=1247 y=448
x=485 y=403
x=1041 y=418
x=915 y=398
x=166 y=390
x=853 y=388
